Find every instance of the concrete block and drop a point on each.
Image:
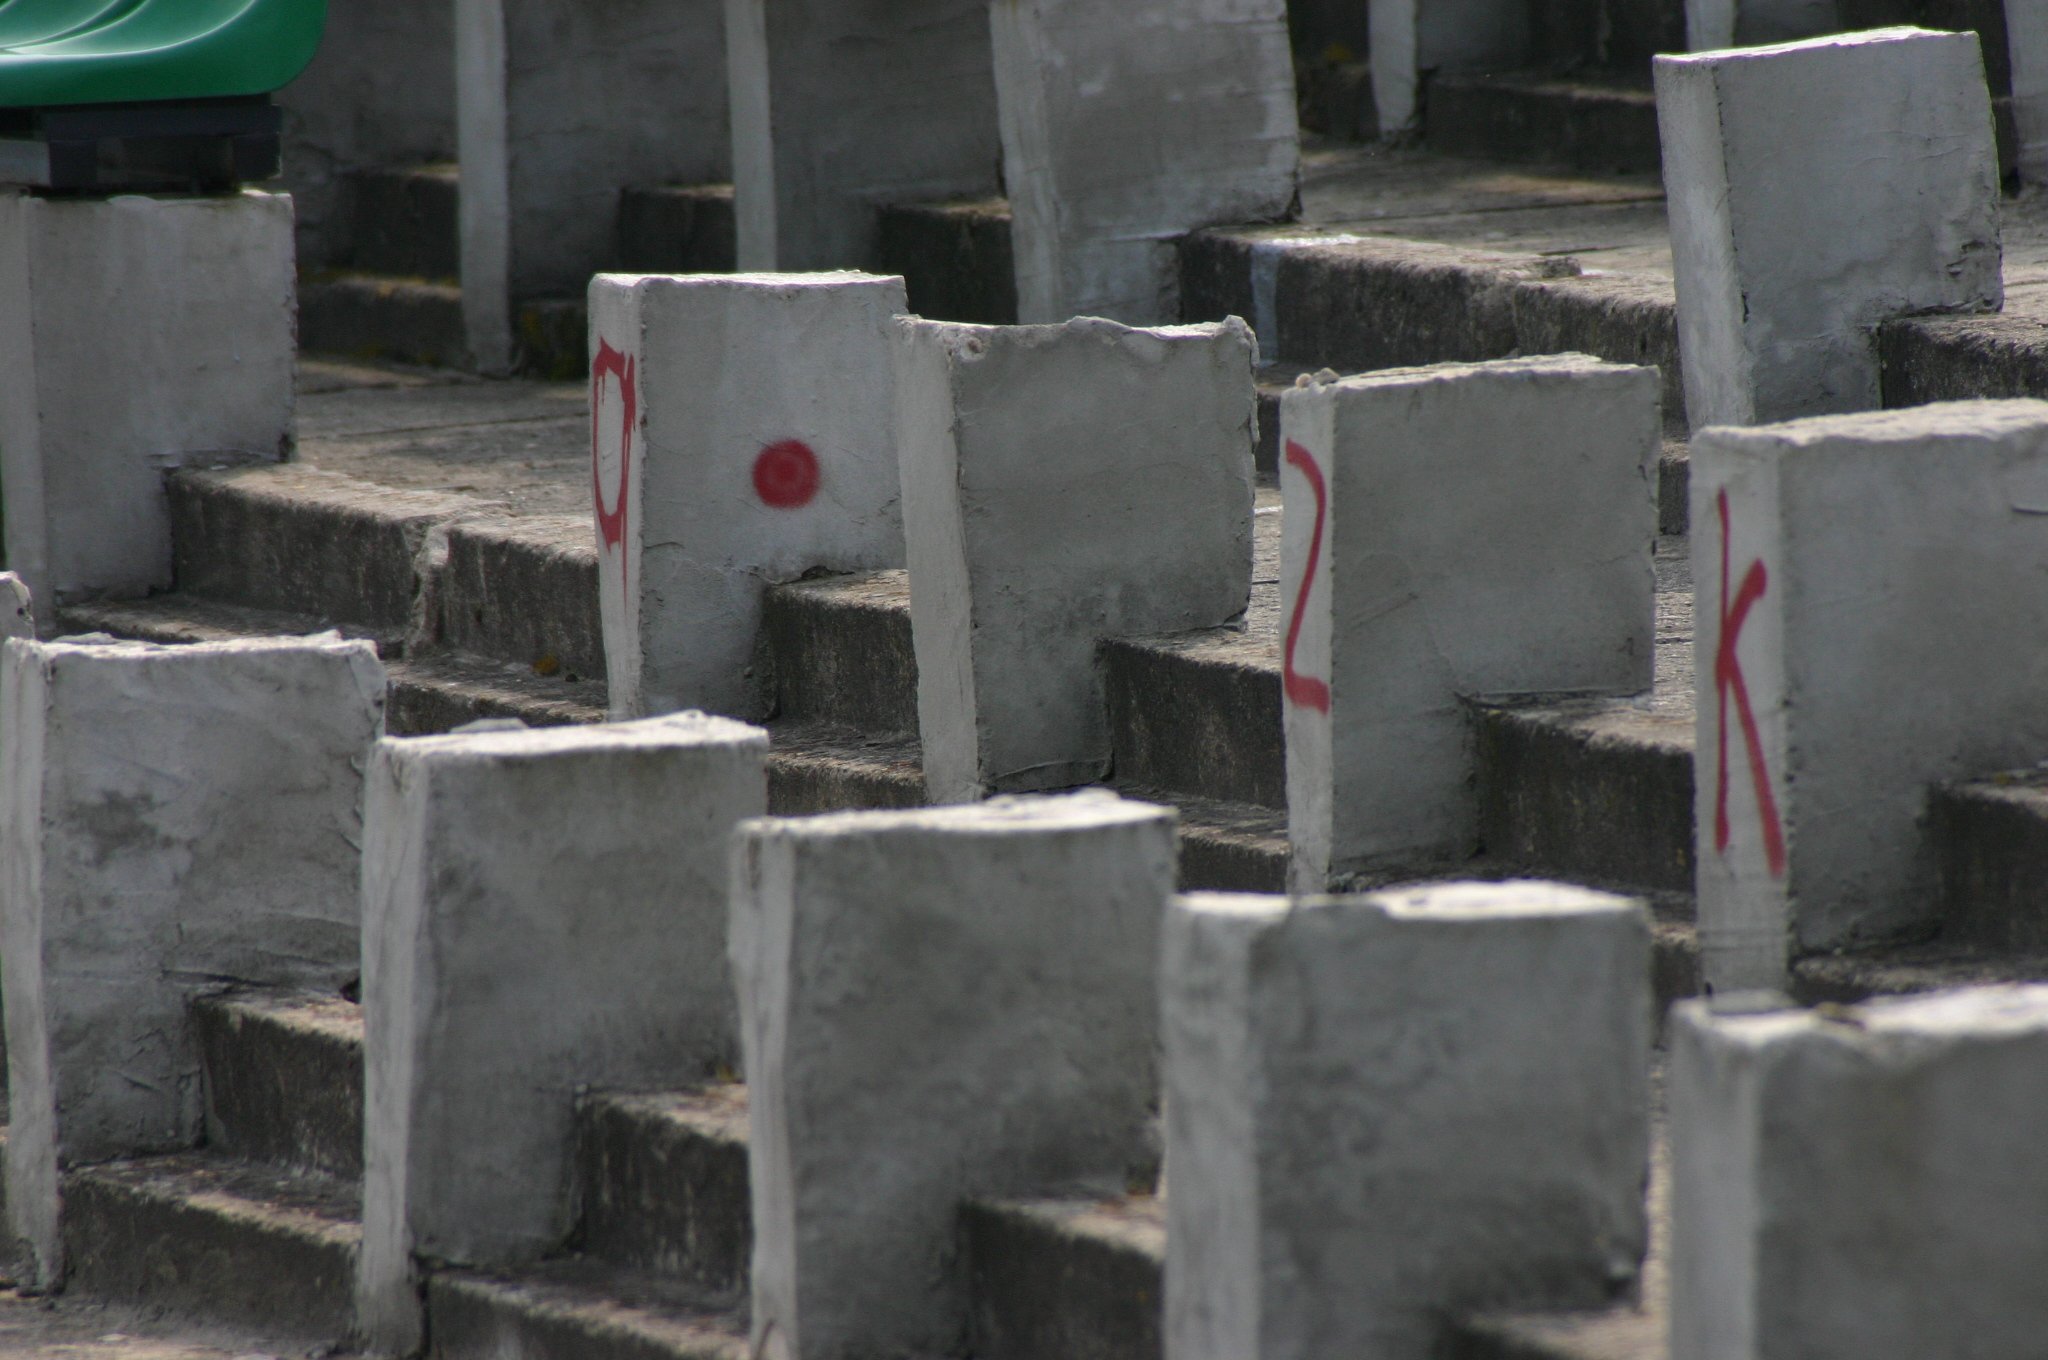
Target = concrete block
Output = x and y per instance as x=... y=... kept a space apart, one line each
x=839 y=108
x=1861 y=1185
x=542 y=167
x=1411 y=38
x=1840 y=672
x=1714 y=24
x=136 y=335
x=1126 y=125
x=1384 y=1110
x=172 y=819
x=935 y=1004
x=742 y=433
x=1400 y=602
x=17 y=613
x=2026 y=39
x=543 y=912
x=1062 y=484
x=1815 y=190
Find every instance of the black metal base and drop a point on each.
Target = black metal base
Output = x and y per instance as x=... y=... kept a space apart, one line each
x=189 y=146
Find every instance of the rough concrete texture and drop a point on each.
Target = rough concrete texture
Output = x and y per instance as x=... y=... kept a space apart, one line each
x=172 y=819
x=17 y=612
x=1860 y=1184
x=284 y=1078
x=136 y=335
x=955 y=258
x=1411 y=38
x=541 y=172
x=1402 y=601
x=1790 y=251
x=1124 y=126
x=935 y=1004
x=405 y=219
x=1714 y=24
x=1846 y=678
x=838 y=109
x=589 y=864
x=2026 y=32
x=741 y=433
x=1061 y=485
x=1383 y=1110
x=1076 y=1279
x=663 y=1182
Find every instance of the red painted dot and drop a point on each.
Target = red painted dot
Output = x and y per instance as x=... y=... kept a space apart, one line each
x=786 y=474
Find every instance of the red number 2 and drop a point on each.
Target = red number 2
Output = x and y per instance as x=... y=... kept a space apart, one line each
x=1306 y=690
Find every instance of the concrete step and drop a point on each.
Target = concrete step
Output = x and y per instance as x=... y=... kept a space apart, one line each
x=575 y=1310
x=383 y=316
x=1067 y=1279
x=676 y=229
x=954 y=258
x=1536 y=116
x=404 y=220
x=284 y=1079
x=663 y=1184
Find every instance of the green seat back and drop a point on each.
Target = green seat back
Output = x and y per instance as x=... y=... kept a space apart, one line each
x=134 y=51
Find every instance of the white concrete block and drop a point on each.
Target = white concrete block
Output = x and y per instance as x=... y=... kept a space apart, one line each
x=1061 y=484
x=1865 y=1185
x=560 y=103
x=742 y=432
x=2026 y=38
x=1384 y=1110
x=1125 y=126
x=136 y=335
x=172 y=820
x=543 y=912
x=1714 y=24
x=1457 y=532
x=839 y=108
x=1411 y=38
x=1842 y=667
x=17 y=612
x=935 y=1004
x=1817 y=189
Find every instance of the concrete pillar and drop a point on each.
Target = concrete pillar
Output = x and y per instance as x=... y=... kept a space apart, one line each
x=742 y=432
x=136 y=334
x=1126 y=124
x=1061 y=484
x=587 y=864
x=935 y=1004
x=2026 y=38
x=172 y=819
x=838 y=108
x=1714 y=24
x=1842 y=668
x=1864 y=1185
x=560 y=104
x=1458 y=532
x=1412 y=38
x=1815 y=190
x=1384 y=1110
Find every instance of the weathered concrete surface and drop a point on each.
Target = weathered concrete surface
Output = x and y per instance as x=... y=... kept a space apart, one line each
x=570 y=1309
x=1991 y=837
x=2027 y=54
x=955 y=258
x=374 y=317
x=284 y=1078
x=1597 y=127
x=1714 y=24
x=404 y=220
x=1411 y=38
x=1076 y=1279
x=17 y=608
x=663 y=1183
x=677 y=229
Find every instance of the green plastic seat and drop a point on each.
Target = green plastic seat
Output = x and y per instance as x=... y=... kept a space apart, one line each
x=56 y=52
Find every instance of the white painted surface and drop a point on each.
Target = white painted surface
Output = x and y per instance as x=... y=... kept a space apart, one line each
x=1062 y=484
x=1382 y=1110
x=1714 y=24
x=701 y=388
x=1456 y=532
x=137 y=335
x=1411 y=38
x=1126 y=124
x=1867 y=664
x=935 y=1004
x=2026 y=37
x=172 y=820
x=1860 y=1186
x=1817 y=189
x=17 y=608
x=543 y=912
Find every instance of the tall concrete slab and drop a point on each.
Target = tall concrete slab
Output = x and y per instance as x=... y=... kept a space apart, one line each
x=1461 y=532
x=1061 y=484
x=560 y=104
x=935 y=1004
x=137 y=335
x=173 y=820
x=544 y=912
x=1411 y=38
x=1126 y=124
x=1863 y=1184
x=1843 y=666
x=742 y=433
x=1714 y=24
x=1383 y=1111
x=841 y=107
x=1817 y=189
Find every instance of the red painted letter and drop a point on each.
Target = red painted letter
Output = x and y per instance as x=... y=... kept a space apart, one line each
x=611 y=524
x=1306 y=690
x=1728 y=680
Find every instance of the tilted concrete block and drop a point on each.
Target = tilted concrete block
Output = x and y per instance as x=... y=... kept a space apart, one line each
x=935 y=1004
x=1714 y=24
x=1384 y=1110
x=1815 y=190
x=172 y=820
x=839 y=108
x=1061 y=484
x=1466 y=531
x=1842 y=667
x=742 y=432
x=1862 y=1185
x=137 y=335
x=2026 y=39
x=543 y=912
x=1127 y=124
x=1412 y=37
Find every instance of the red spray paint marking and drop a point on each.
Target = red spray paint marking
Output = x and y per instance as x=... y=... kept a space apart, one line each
x=786 y=474
x=1306 y=690
x=611 y=524
x=1728 y=679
